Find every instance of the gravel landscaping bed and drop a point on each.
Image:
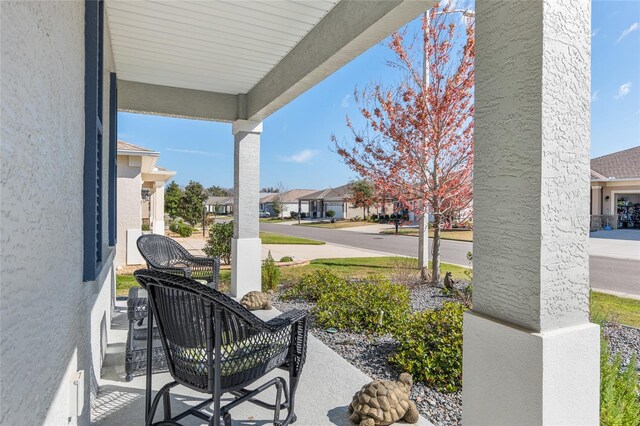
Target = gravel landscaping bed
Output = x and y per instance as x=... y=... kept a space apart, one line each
x=625 y=341
x=370 y=354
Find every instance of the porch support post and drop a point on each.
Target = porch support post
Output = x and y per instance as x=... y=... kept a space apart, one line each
x=157 y=208
x=531 y=356
x=596 y=198
x=246 y=249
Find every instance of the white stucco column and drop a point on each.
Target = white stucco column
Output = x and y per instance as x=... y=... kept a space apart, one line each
x=596 y=200
x=157 y=208
x=246 y=249
x=531 y=357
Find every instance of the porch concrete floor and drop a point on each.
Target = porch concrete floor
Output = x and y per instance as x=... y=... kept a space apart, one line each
x=326 y=387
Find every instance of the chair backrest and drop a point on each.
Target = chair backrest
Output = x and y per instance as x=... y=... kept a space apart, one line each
x=160 y=251
x=185 y=312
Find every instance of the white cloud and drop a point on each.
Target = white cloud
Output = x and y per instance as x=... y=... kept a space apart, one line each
x=594 y=96
x=194 y=152
x=345 y=102
x=623 y=90
x=303 y=156
x=634 y=27
x=595 y=32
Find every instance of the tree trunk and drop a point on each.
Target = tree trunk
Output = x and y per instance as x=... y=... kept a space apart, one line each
x=435 y=260
x=423 y=246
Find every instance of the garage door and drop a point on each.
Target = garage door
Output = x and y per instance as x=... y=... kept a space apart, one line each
x=338 y=209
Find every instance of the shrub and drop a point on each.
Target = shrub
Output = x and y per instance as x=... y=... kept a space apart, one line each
x=374 y=305
x=146 y=227
x=430 y=347
x=270 y=274
x=374 y=217
x=286 y=259
x=181 y=228
x=294 y=215
x=312 y=285
x=619 y=401
x=219 y=242
x=330 y=213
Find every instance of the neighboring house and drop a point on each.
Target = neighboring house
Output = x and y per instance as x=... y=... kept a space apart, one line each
x=615 y=190
x=219 y=205
x=290 y=202
x=320 y=202
x=140 y=199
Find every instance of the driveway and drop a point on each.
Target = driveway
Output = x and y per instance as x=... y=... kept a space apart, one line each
x=619 y=243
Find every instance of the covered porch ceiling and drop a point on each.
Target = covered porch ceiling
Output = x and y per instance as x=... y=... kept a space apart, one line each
x=229 y=60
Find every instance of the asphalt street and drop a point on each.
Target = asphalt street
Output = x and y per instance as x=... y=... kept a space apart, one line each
x=606 y=273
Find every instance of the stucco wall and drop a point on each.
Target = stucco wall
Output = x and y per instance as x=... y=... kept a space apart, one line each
x=49 y=316
x=129 y=208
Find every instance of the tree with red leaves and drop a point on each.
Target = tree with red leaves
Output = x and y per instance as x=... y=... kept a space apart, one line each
x=417 y=145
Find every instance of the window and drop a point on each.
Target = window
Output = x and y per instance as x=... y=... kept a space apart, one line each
x=92 y=206
x=113 y=153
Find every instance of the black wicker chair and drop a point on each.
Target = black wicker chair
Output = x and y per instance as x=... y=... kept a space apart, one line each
x=215 y=346
x=164 y=254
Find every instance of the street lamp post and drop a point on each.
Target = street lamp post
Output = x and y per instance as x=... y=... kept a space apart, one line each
x=204 y=216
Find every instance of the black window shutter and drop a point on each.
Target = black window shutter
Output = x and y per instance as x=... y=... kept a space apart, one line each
x=92 y=203
x=113 y=163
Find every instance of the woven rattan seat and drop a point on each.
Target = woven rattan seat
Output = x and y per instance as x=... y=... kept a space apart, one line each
x=214 y=345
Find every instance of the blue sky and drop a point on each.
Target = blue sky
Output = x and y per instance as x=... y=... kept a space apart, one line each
x=296 y=145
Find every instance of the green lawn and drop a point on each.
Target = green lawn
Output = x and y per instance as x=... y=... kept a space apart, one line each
x=615 y=309
x=272 y=220
x=337 y=225
x=273 y=238
x=445 y=235
x=363 y=266
x=124 y=283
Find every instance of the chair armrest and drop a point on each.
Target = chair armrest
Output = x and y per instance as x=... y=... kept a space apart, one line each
x=286 y=319
x=181 y=271
x=204 y=267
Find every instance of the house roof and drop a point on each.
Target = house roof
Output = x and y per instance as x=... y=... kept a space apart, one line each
x=329 y=194
x=129 y=149
x=618 y=165
x=290 y=196
x=219 y=200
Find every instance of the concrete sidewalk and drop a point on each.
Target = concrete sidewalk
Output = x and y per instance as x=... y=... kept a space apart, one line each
x=297 y=251
x=326 y=387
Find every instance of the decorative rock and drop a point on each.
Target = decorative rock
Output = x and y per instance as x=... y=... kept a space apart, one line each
x=384 y=402
x=256 y=300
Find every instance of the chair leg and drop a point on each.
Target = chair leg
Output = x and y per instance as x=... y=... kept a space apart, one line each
x=215 y=418
x=276 y=412
x=293 y=384
x=166 y=405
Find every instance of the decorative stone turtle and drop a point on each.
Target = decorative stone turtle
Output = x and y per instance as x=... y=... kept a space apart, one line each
x=256 y=300
x=384 y=402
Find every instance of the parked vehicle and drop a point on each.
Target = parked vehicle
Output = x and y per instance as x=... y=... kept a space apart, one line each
x=264 y=214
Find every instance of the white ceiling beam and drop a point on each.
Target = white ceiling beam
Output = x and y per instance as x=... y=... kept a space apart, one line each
x=176 y=102
x=349 y=29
